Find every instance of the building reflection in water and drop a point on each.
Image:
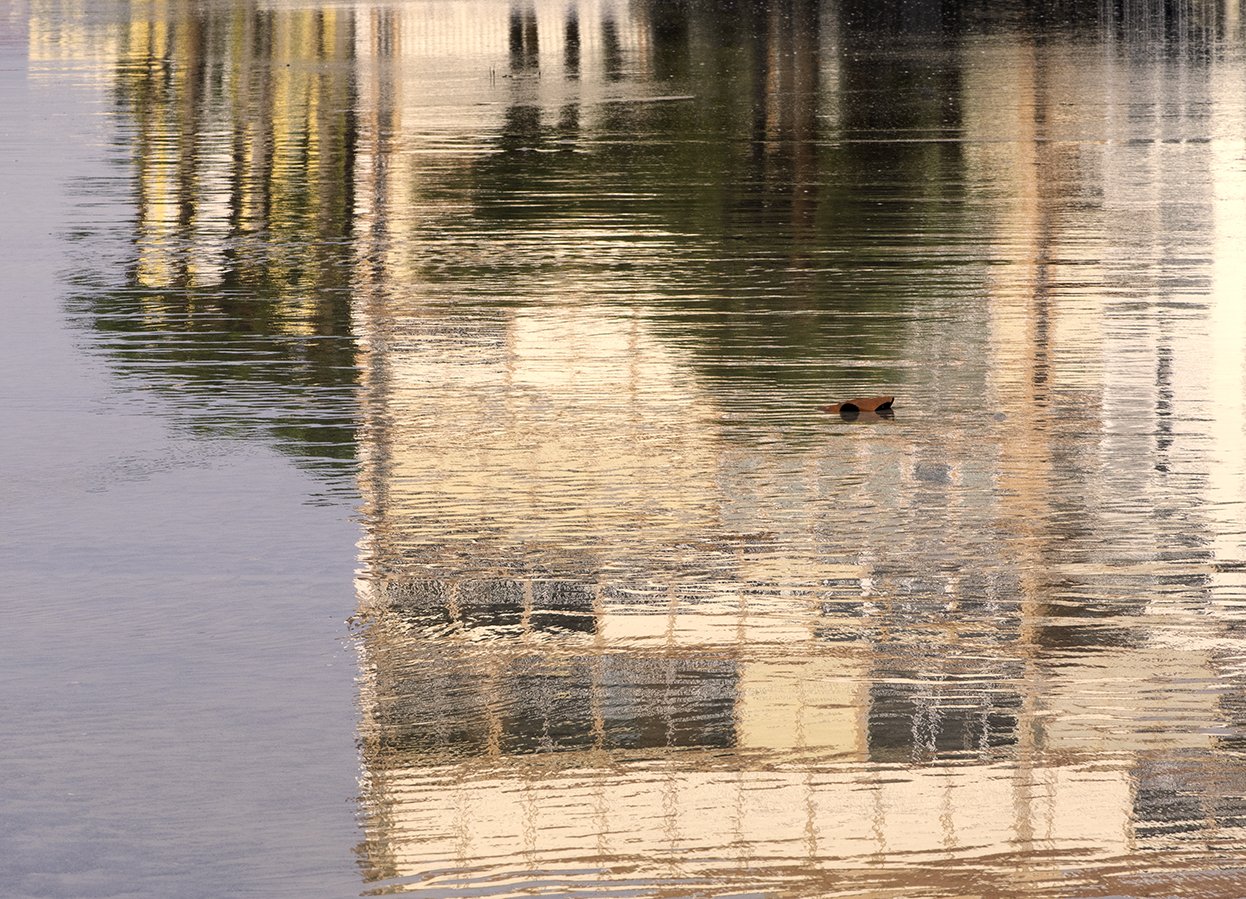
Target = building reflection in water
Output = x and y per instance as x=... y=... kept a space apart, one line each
x=619 y=629
x=229 y=291
x=631 y=614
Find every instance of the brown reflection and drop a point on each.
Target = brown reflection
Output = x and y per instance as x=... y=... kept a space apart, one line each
x=612 y=50
x=525 y=50
x=785 y=109
x=571 y=42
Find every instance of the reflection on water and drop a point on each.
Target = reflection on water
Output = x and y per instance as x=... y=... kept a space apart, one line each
x=229 y=289
x=567 y=282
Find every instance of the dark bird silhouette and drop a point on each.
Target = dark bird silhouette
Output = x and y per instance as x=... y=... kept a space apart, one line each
x=860 y=404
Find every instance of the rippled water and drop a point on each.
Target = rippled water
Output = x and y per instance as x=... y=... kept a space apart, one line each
x=553 y=292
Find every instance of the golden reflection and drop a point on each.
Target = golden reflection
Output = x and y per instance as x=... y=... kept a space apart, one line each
x=66 y=31
x=225 y=156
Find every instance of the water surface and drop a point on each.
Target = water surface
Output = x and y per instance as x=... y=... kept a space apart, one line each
x=553 y=291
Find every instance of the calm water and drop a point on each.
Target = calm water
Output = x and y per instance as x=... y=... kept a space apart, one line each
x=415 y=483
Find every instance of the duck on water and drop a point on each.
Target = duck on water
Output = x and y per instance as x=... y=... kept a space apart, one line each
x=880 y=405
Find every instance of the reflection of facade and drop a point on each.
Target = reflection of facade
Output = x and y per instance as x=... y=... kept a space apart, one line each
x=628 y=612
x=718 y=829
x=60 y=31
x=229 y=290
x=1126 y=390
x=218 y=190
x=573 y=669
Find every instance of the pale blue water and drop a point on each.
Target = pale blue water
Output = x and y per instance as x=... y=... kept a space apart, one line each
x=178 y=696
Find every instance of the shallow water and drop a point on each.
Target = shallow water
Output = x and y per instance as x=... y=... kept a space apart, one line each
x=552 y=293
